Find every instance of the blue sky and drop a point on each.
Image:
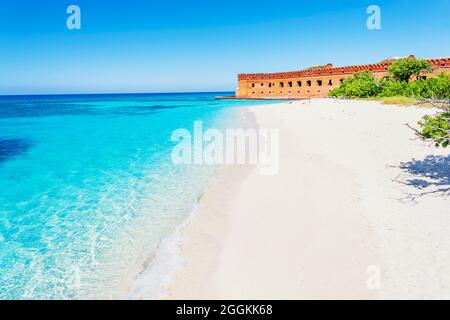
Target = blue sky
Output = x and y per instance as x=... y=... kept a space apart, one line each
x=172 y=46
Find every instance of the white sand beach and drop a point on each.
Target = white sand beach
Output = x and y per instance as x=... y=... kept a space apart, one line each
x=357 y=198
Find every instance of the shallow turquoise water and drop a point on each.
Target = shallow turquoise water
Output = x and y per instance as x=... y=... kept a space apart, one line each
x=88 y=188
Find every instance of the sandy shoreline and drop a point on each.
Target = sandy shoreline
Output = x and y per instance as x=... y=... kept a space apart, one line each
x=341 y=211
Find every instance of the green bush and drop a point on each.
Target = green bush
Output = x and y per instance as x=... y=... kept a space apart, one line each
x=360 y=85
x=363 y=85
x=432 y=88
x=404 y=69
x=420 y=89
x=390 y=88
x=439 y=86
x=436 y=128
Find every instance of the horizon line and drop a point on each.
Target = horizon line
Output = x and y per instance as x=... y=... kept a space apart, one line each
x=107 y=93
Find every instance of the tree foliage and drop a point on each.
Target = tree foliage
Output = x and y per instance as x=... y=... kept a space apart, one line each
x=389 y=87
x=437 y=88
x=360 y=85
x=404 y=69
x=436 y=128
x=364 y=85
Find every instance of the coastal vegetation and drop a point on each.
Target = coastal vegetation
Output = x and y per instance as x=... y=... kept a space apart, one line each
x=404 y=69
x=396 y=88
x=436 y=128
x=397 y=83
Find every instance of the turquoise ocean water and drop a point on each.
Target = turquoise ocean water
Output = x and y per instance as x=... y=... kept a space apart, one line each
x=88 y=189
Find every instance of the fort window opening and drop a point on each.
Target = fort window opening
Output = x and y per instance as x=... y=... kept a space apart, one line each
x=282 y=84
x=341 y=80
x=319 y=83
x=299 y=83
x=270 y=85
x=290 y=84
x=308 y=83
x=253 y=85
x=262 y=84
x=330 y=82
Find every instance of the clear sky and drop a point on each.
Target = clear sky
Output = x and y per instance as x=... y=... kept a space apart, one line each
x=192 y=45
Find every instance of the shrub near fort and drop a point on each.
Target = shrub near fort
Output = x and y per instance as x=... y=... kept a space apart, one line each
x=364 y=85
x=432 y=88
x=360 y=85
x=404 y=69
x=390 y=87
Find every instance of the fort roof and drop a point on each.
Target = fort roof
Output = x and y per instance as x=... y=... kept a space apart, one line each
x=330 y=70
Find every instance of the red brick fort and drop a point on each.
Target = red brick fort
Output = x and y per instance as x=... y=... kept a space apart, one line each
x=316 y=81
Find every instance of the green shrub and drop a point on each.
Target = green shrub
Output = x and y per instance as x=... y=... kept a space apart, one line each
x=420 y=89
x=360 y=85
x=439 y=86
x=404 y=69
x=390 y=88
x=363 y=85
x=432 y=88
x=436 y=128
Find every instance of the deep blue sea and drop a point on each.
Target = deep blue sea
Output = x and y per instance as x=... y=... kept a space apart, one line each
x=88 y=190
